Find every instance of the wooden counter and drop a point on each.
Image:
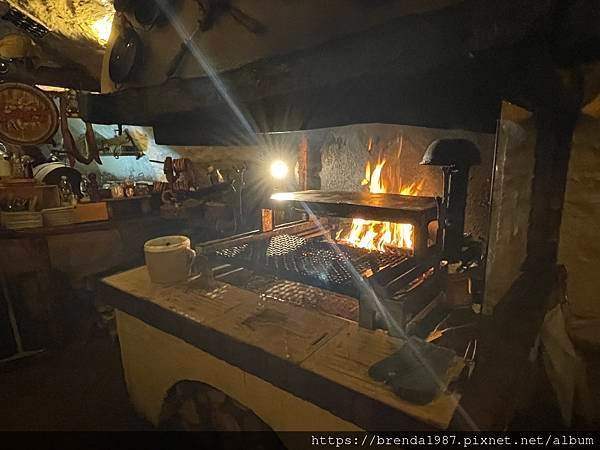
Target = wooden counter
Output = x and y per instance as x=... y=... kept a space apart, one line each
x=42 y=265
x=52 y=231
x=315 y=357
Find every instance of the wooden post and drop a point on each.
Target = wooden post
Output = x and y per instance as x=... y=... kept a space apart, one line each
x=309 y=161
x=314 y=160
x=303 y=163
x=21 y=72
x=553 y=149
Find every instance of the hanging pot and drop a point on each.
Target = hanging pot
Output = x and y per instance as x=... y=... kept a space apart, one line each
x=125 y=56
x=148 y=13
x=123 y=5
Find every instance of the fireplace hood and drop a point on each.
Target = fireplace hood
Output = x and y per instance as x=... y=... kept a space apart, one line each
x=446 y=68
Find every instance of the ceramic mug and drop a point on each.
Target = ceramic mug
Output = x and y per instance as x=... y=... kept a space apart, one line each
x=169 y=259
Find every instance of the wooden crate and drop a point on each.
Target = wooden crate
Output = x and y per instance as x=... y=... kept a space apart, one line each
x=129 y=206
x=91 y=212
x=47 y=194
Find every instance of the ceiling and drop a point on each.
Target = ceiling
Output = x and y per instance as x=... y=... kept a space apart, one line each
x=72 y=39
x=73 y=19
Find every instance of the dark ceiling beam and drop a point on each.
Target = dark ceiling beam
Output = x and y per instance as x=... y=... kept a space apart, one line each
x=454 y=97
x=576 y=32
x=404 y=48
x=81 y=56
x=22 y=72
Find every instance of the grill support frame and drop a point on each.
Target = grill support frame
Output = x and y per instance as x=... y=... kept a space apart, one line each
x=391 y=284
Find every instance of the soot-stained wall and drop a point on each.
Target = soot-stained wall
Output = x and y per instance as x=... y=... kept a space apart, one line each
x=345 y=152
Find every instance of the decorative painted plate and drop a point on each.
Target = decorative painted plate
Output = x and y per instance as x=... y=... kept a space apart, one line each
x=27 y=115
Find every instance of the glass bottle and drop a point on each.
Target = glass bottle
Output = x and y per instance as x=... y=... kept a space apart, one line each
x=116 y=190
x=66 y=192
x=17 y=166
x=129 y=185
x=84 y=187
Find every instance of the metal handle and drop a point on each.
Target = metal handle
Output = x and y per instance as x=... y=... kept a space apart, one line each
x=191 y=253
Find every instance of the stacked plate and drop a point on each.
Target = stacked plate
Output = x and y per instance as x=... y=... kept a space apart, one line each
x=20 y=220
x=63 y=215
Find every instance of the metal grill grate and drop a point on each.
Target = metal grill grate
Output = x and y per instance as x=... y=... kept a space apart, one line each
x=233 y=252
x=300 y=294
x=316 y=262
x=283 y=244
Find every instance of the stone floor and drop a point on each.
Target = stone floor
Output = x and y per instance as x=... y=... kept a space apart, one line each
x=79 y=388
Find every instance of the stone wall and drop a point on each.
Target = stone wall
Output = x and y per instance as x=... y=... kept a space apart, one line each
x=579 y=241
x=345 y=151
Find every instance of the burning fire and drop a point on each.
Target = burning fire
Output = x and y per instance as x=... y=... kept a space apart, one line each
x=373 y=234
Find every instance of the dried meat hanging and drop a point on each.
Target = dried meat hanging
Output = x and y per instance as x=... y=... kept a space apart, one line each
x=73 y=152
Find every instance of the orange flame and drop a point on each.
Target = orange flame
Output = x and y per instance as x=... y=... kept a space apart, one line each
x=377 y=235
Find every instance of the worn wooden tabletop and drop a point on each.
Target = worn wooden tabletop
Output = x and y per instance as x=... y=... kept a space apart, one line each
x=323 y=349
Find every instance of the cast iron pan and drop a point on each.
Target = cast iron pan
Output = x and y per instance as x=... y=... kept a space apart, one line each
x=125 y=56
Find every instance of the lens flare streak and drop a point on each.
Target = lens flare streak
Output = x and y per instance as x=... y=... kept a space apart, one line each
x=369 y=293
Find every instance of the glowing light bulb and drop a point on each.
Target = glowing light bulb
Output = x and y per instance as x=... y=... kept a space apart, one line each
x=279 y=170
x=102 y=28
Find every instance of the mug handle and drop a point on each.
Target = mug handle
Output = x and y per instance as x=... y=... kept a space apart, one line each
x=167 y=197
x=191 y=258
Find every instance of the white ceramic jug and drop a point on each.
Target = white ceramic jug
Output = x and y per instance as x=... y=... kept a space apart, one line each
x=169 y=259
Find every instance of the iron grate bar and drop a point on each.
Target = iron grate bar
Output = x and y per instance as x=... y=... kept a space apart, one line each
x=314 y=261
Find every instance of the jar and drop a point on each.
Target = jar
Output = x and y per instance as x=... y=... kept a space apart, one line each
x=142 y=189
x=117 y=190
x=66 y=192
x=5 y=167
x=129 y=186
x=17 y=167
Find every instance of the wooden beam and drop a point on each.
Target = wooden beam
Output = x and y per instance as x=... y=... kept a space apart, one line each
x=22 y=72
x=455 y=98
x=405 y=48
x=576 y=34
x=555 y=127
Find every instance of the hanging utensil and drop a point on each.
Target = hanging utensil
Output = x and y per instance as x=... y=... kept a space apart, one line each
x=183 y=50
x=123 y=5
x=470 y=358
x=149 y=12
x=125 y=56
x=185 y=45
x=438 y=332
x=214 y=9
x=69 y=144
x=251 y=24
x=68 y=141
x=90 y=140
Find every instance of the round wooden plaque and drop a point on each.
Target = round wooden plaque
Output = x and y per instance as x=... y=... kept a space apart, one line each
x=27 y=115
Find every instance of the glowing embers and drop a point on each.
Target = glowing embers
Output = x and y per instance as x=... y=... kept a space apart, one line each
x=380 y=235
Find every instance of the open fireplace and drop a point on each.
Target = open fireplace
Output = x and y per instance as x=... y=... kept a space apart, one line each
x=375 y=246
